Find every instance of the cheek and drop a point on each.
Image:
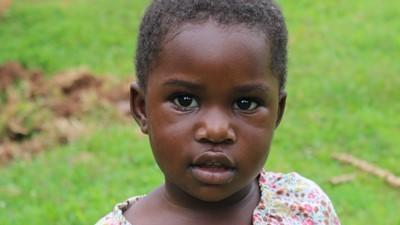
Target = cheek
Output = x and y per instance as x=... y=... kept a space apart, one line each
x=255 y=135
x=257 y=141
x=261 y=125
x=166 y=152
x=168 y=127
x=169 y=136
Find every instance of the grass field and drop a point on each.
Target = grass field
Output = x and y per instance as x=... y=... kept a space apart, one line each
x=343 y=87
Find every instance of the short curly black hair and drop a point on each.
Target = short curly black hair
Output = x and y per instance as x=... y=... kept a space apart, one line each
x=164 y=16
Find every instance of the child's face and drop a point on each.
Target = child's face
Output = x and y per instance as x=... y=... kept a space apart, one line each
x=210 y=109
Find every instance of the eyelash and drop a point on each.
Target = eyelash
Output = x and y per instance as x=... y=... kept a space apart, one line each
x=174 y=99
x=254 y=104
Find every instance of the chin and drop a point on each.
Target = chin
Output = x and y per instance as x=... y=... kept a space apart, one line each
x=212 y=194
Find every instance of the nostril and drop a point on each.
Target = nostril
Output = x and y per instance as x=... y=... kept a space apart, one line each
x=228 y=142
x=210 y=136
x=213 y=142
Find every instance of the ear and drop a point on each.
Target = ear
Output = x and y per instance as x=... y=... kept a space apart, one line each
x=138 y=106
x=281 y=107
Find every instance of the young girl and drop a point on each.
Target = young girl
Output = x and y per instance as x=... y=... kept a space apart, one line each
x=210 y=94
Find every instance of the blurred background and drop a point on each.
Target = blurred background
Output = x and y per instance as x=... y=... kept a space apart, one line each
x=69 y=150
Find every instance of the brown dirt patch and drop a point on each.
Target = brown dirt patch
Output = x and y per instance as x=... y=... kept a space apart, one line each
x=38 y=113
x=4 y=5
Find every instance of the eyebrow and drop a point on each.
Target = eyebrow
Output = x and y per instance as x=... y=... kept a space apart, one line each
x=246 y=88
x=257 y=88
x=184 y=84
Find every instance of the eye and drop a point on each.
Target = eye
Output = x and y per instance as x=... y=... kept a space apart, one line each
x=245 y=104
x=185 y=102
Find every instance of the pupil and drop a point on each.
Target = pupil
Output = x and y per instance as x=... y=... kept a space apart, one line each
x=244 y=104
x=185 y=101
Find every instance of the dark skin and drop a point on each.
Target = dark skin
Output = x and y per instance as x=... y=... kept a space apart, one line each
x=210 y=109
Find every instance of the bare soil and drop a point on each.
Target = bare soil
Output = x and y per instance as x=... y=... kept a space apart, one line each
x=38 y=113
x=4 y=5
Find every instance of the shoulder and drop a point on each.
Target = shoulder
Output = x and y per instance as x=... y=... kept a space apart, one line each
x=296 y=198
x=116 y=217
x=113 y=218
x=289 y=183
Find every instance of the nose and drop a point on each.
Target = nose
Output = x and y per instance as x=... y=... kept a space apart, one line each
x=215 y=127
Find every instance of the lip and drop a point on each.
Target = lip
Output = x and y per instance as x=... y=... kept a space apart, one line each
x=213 y=168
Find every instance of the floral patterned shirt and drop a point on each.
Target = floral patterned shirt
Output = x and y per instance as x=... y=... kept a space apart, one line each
x=286 y=199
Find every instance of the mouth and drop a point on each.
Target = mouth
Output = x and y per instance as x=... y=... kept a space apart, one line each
x=213 y=168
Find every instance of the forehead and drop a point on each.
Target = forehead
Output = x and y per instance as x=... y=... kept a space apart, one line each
x=213 y=33
x=214 y=49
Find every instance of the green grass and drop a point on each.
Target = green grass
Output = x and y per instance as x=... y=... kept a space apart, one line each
x=54 y=35
x=343 y=97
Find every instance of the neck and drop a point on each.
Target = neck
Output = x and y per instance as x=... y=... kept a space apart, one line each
x=179 y=199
